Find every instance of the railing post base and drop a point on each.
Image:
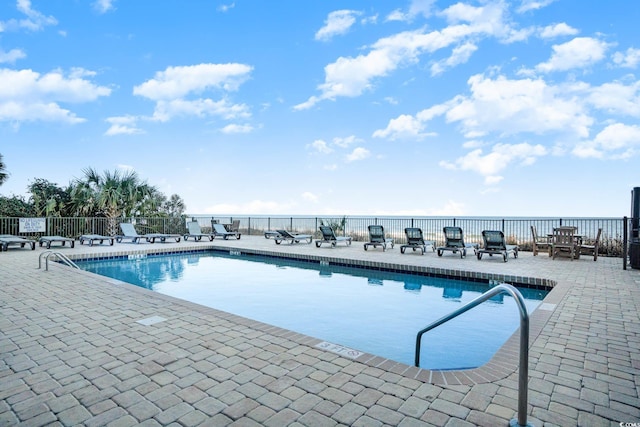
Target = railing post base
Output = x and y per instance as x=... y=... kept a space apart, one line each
x=514 y=423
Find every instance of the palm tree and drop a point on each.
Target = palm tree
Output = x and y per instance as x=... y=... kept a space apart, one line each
x=112 y=195
x=3 y=175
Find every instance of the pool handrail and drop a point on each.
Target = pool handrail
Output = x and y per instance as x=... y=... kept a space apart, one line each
x=524 y=342
x=60 y=256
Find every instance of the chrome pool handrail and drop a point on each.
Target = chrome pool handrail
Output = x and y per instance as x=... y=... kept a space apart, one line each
x=524 y=342
x=60 y=256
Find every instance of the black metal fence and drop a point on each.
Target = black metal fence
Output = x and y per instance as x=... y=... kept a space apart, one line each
x=516 y=230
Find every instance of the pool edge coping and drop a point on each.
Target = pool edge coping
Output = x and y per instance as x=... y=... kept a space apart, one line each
x=502 y=364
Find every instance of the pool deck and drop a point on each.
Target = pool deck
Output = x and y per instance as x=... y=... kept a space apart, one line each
x=80 y=349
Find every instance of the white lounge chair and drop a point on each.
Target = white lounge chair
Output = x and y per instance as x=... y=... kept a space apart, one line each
x=219 y=230
x=129 y=233
x=195 y=231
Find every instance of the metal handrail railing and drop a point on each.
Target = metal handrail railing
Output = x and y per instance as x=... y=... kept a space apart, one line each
x=62 y=257
x=524 y=342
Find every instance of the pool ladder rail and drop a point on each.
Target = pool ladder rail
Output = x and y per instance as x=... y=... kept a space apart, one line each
x=62 y=257
x=523 y=379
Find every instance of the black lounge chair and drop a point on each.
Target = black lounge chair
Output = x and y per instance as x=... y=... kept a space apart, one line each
x=48 y=240
x=284 y=235
x=454 y=242
x=415 y=240
x=219 y=230
x=194 y=231
x=96 y=238
x=377 y=238
x=329 y=236
x=495 y=244
x=7 y=240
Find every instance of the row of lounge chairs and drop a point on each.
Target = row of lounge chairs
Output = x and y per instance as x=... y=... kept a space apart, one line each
x=129 y=234
x=494 y=241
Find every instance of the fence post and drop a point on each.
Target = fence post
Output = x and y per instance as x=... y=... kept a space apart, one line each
x=625 y=232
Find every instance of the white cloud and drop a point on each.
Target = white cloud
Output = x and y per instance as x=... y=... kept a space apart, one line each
x=493 y=179
x=12 y=56
x=310 y=197
x=203 y=107
x=403 y=126
x=347 y=141
x=235 y=128
x=226 y=7
x=320 y=146
x=556 y=30
x=103 y=6
x=123 y=125
x=508 y=107
x=337 y=23
x=172 y=88
x=500 y=157
x=629 y=59
x=581 y=52
x=616 y=98
x=417 y=7
x=352 y=76
x=34 y=21
x=26 y=95
x=459 y=55
x=178 y=82
x=358 y=153
x=617 y=141
x=514 y=106
x=528 y=5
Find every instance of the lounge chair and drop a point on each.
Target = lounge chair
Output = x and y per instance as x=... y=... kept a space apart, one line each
x=454 y=242
x=284 y=235
x=592 y=249
x=94 y=238
x=495 y=244
x=377 y=238
x=415 y=240
x=7 y=240
x=219 y=230
x=48 y=240
x=539 y=242
x=129 y=233
x=194 y=231
x=329 y=236
x=271 y=234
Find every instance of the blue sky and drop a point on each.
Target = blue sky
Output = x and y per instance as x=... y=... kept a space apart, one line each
x=474 y=108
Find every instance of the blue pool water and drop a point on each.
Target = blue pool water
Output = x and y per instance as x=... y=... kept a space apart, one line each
x=367 y=310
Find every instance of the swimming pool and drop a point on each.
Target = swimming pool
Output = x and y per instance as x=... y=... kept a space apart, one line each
x=372 y=311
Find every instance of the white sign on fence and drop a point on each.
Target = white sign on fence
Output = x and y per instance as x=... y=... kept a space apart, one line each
x=33 y=225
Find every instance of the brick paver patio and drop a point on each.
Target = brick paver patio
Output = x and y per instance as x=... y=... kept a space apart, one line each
x=74 y=352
